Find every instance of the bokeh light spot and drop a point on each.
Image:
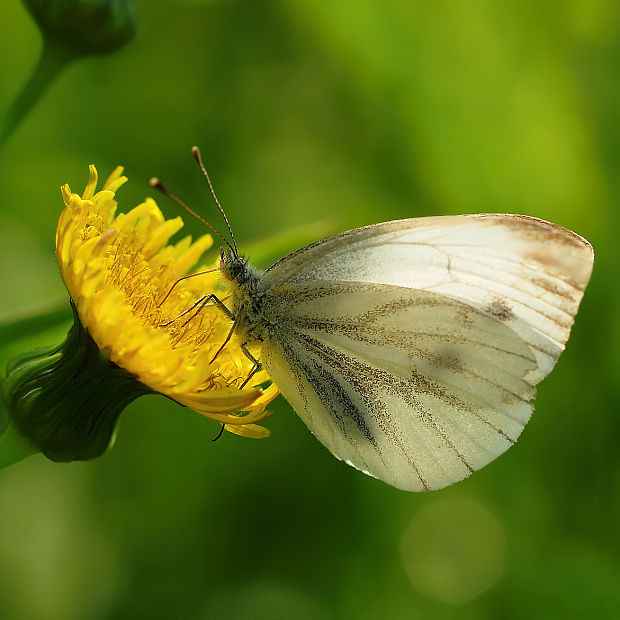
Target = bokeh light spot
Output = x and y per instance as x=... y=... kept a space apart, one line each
x=453 y=550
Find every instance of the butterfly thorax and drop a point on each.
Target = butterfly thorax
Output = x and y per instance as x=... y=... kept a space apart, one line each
x=247 y=296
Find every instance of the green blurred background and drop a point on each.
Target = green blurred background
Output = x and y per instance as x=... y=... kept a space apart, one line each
x=358 y=112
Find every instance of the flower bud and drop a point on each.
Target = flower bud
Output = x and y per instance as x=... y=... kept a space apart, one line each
x=84 y=27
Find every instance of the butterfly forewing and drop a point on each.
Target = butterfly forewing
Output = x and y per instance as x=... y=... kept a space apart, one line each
x=526 y=272
x=411 y=348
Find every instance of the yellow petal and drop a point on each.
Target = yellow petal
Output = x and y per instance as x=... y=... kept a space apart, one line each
x=254 y=431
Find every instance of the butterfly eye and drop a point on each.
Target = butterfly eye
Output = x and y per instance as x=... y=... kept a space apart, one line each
x=232 y=266
x=236 y=268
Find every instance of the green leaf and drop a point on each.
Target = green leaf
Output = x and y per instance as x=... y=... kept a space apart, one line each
x=264 y=252
x=34 y=320
x=14 y=447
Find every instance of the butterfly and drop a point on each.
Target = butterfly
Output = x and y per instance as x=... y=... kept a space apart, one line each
x=411 y=348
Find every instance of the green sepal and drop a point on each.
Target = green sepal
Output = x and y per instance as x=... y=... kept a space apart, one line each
x=67 y=399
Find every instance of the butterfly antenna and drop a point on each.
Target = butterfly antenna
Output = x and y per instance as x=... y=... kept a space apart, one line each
x=157 y=184
x=198 y=158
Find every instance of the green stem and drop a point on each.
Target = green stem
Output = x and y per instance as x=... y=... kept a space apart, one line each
x=51 y=62
x=14 y=447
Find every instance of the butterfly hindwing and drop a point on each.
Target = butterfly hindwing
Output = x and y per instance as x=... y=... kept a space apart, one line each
x=410 y=386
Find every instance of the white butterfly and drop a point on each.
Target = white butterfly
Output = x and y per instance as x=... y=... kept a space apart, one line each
x=411 y=348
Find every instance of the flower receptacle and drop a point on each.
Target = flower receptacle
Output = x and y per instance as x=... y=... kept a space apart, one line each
x=66 y=399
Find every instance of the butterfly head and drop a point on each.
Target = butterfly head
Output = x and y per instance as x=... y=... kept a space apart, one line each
x=234 y=267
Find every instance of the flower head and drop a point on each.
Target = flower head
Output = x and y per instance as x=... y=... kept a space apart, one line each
x=143 y=322
x=124 y=280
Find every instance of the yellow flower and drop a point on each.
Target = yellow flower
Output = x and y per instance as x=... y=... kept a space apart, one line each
x=123 y=279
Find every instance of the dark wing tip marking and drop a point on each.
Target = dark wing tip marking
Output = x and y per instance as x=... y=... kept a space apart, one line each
x=500 y=309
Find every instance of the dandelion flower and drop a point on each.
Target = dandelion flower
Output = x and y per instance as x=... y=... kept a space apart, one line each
x=142 y=326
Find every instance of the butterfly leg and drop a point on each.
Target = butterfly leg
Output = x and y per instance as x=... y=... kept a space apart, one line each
x=219 y=434
x=191 y=275
x=197 y=302
x=257 y=365
x=207 y=299
x=201 y=302
x=230 y=333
